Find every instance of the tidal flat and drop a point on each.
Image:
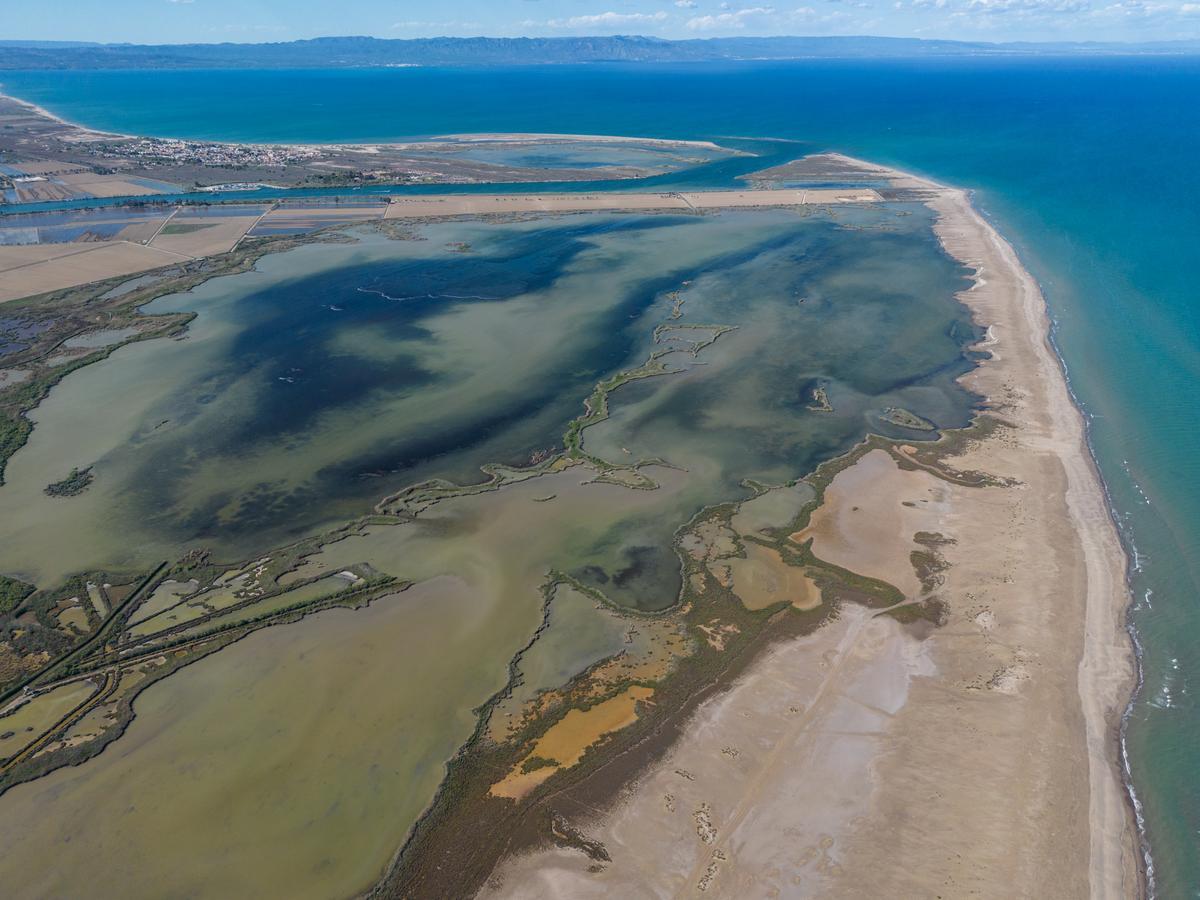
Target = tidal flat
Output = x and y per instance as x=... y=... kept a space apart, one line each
x=335 y=374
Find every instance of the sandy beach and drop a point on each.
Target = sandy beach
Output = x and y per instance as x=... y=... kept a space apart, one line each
x=870 y=759
x=79 y=132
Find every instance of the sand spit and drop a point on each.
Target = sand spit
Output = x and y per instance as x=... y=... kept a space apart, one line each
x=428 y=205
x=535 y=137
x=860 y=761
x=52 y=267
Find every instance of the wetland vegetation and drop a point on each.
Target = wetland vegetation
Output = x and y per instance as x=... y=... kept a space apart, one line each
x=557 y=477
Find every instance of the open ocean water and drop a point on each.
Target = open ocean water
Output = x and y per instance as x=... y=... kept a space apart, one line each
x=1089 y=166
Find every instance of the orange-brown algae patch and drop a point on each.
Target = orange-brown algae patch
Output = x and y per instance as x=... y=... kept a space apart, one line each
x=517 y=784
x=569 y=738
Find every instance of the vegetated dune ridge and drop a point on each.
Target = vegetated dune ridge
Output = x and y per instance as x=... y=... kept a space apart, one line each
x=874 y=759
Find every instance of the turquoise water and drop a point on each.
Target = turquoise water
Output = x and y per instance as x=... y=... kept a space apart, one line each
x=1087 y=165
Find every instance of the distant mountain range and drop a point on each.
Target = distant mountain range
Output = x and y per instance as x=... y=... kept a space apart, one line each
x=350 y=52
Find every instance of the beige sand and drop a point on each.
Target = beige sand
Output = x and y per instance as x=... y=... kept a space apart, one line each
x=981 y=762
x=792 y=197
x=483 y=204
x=871 y=512
x=108 y=185
x=752 y=803
x=50 y=267
x=220 y=235
x=536 y=137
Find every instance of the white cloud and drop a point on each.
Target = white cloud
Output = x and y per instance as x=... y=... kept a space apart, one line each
x=736 y=19
x=1000 y=7
x=686 y=4
x=1144 y=9
x=608 y=19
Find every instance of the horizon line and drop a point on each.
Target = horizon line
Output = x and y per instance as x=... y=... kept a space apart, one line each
x=31 y=43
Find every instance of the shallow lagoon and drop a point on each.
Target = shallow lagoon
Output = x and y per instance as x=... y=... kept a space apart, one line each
x=334 y=374
x=298 y=758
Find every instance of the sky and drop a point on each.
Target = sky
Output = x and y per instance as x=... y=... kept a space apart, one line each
x=180 y=21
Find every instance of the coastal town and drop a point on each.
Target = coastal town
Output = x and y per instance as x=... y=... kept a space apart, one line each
x=44 y=158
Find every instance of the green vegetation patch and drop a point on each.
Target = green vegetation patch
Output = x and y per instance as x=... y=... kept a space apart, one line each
x=75 y=483
x=187 y=228
x=537 y=762
x=894 y=415
x=14 y=432
x=12 y=592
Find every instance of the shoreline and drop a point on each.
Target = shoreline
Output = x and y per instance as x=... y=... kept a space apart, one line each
x=1097 y=850
x=1117 y=616
x=1102 y=677
x=1109 y=671
x=1132 y=566
x=37 y=110
x=465 y=139
x=1107 y=602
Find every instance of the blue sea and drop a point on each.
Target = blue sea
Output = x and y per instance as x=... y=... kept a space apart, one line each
x=1089 y=166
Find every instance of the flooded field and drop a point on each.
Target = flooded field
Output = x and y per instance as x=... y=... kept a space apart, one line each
x=722 y=357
